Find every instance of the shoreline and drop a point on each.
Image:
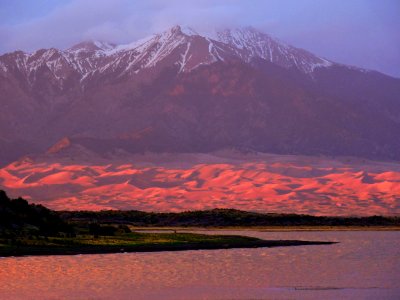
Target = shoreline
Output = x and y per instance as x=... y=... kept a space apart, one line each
x=227 y=242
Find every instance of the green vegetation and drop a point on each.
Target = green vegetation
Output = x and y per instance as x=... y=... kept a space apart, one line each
x=134 y=242
x=29 y=229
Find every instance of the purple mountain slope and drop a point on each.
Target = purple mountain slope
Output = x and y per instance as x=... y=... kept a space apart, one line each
x=182 y=91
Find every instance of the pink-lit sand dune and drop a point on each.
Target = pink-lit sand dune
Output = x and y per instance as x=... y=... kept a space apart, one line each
x=268 y=183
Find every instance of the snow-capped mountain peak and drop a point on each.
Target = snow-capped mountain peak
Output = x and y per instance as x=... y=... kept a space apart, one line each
x=179 y=46
x=258 y=44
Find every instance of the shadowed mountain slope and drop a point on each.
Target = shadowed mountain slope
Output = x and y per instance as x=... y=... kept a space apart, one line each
x=183 y=91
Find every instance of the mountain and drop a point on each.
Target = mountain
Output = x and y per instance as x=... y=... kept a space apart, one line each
x=183 y=91
x=184 y=120
x=250 y=43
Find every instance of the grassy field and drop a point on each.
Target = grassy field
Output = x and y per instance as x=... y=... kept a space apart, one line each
x=133 y=242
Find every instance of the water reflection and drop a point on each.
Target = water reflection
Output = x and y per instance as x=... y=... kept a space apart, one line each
x=362 y=265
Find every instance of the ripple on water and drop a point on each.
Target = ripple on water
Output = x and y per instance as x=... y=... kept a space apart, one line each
x=362 y=265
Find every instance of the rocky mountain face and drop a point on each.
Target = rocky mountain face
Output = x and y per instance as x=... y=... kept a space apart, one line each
x=182 y=91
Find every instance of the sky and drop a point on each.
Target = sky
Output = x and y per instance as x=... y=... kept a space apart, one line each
x=364 y=33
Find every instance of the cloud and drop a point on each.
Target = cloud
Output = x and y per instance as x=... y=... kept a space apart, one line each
x=65 y=25
x=113 y=20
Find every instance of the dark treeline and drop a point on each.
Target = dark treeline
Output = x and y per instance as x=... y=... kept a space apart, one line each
x=221 y=217
x=18 y=217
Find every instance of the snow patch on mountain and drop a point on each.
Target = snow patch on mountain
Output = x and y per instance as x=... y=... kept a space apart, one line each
x=185 y=58
x=258 y=44
x=189 y=31
x=131 y=46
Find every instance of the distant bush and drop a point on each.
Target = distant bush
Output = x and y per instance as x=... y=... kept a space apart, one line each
x=102 y=230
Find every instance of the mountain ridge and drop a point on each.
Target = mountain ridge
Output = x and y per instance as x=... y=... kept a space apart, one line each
x=190 y=90
x=232 y=37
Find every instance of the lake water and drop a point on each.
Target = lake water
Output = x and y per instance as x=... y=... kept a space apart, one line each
x=364 y=265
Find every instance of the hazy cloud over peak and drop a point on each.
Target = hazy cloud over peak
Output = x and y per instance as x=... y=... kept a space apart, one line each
x=359 y=32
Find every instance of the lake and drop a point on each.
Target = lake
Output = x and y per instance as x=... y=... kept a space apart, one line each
x=363 y=265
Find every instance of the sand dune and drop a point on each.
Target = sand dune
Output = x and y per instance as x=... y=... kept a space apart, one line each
x=269 y=183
